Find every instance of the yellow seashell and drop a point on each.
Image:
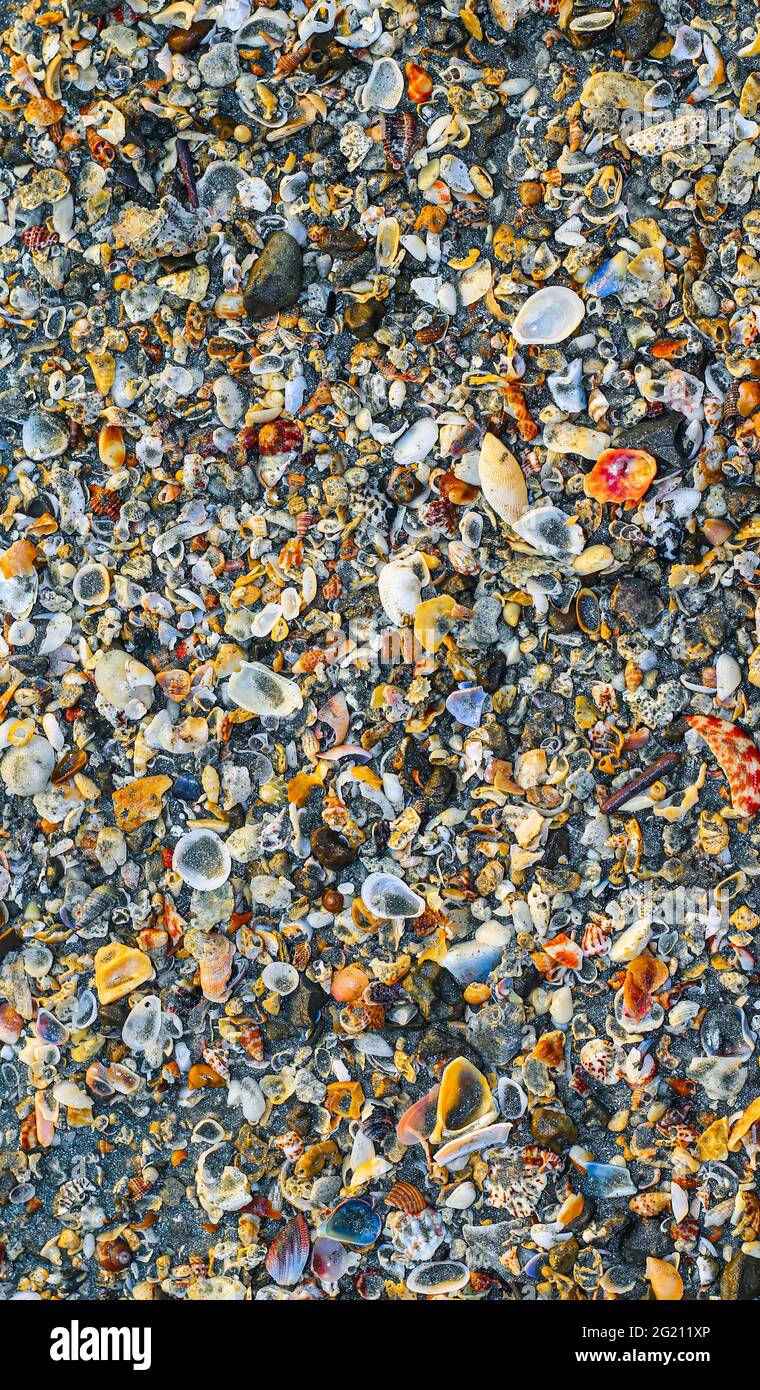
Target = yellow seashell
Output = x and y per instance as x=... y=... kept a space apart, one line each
x=139 y=802
x=667 y=1284
x=103 y=368
x=502 y=480
x=433 y=621
x=464 y=1101
x=119 y=970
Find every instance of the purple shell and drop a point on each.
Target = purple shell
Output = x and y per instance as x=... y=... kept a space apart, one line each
x=289 y=1251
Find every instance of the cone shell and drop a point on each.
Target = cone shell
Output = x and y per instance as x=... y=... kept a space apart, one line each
x=501 y=480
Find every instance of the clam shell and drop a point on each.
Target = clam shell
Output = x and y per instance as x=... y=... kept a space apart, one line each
x=288 y=1253
x=549 y=316
x=501 y=480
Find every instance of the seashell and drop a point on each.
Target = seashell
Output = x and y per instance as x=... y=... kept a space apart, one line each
x=403 y=135
x=666 y=1282
x=620 y=475
x=124 y=682
x=588 y=613
x=471 y=961
x=215 y=966
x=550 y=532
x=91 y=586
x=387 y=243
x=565 y=387
x=399 y=586
x=119 y=970
x=661 y=138
x=258 y=690
x=287 y=1255
x=27 y=769
x=566 y=438
x=737 y=756
x=549 y=316
x=384 y=896
x=139 y=802
x=329 y=1260
x=353 y=1223
x=598 y=1058
x=455 y=1154
x=419 y=84
x=728 y=676
x=112 y=450
x=464 y=1101
x=502 y=480
x=384 y=87
x=418 y=1122
x=404 y=1196
x=438 y=1277
x=202 y=860
x=416 y=443
x=475 y=282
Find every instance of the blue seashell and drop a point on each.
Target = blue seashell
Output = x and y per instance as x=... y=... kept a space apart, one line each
x=609 y=278
x=187 y=789
x=470 y=962
x=353 y=1223
x=466 y=705
x=609 y=1180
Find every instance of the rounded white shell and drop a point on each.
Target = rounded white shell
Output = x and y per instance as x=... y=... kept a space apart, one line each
x=384 y=895
x=501 y=480
x=549 y=316
x=415 y=444
x=399 y=586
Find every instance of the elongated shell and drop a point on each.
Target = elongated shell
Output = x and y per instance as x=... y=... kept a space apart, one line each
x=501 y=480
x=549 y=316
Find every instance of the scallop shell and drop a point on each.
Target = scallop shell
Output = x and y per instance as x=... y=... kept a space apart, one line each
x=549 y=316
x=501 y=480
x=399 y=586
x=289 y=1251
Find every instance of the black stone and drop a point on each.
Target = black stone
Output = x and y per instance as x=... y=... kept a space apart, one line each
x=275 y=278
x=661 y=436
x=331 y=849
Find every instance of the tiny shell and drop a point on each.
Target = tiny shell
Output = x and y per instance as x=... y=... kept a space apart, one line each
x=259 y=690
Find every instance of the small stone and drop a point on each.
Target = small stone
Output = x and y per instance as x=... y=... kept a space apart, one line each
x=552 y=1128
x=661 y=436
x=275 y=279
x=363 y=319
x=639 y=27
x=636 y=602
x=562 y=1257
x=740 y=1281
x=331 y=849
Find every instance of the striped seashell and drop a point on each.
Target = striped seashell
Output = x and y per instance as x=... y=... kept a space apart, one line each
x=37 y=238
x=217 y=1059
x=403 y=136
x=462 y=558
x=288 y=1253
x=216 y=966
x=404 y=1196
x=502 y=480
x=595 y=941
x=252 y=1041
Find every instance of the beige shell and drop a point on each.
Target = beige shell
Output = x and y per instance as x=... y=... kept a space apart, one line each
x=501 y=480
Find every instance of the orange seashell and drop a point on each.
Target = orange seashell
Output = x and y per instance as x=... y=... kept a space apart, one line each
x=175 y=684
x=280 y=437
x=111 y=447
x=550 y=1048
x=562 y=950
x=18 y=559
x=419 y=84
x=404 y=1196
x=737 y=756
x=216 y=966
x=620 y=475
x=454 y=490
x=201 y=1075
x=748 y=398
x=102 y=152
x=650 y=1203
x=643 y=977
x=667 y=1284
x=139 y=802
x=348 y=984
x=344 y=1098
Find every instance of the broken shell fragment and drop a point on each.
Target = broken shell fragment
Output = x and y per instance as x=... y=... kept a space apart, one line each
x=202 y=860
x=384 y=895
x=119 y=970
x=258 y=690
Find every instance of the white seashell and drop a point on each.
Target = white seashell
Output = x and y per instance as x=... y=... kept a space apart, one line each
x=384 y=895
x=26 y=771
x=202 y=860
x=501 y=480
x=455 y=173
x=475 y=282
x=566 y=438
x=565 y=387
x=416 y=443
x=550 y=532
x=549 y=316
x=319 y=20
x=384 y=87
x=561 y=1006
x=679 y=1201
x=462 y=1197
x=399 y=586
x=728 y=675
x=124 y=682
x=260 y=691
x=631 y=942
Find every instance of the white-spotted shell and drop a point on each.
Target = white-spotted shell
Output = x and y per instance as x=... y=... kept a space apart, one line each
x=549 y=316
x=400 y=584
x=501 y=480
